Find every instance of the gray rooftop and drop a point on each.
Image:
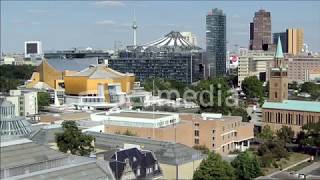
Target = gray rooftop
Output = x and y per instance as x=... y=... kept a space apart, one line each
x=27 y=154
x=45 y=135
x=166 y=152
x=139 y=115
x=76 y=64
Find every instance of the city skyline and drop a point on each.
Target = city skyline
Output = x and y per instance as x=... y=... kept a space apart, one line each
x=99 y=24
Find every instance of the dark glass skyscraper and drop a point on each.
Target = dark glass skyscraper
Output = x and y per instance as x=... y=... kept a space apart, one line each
x=216 y=43
x=260 y=31
x=284 y=40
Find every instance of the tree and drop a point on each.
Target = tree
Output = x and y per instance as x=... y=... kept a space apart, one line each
x=73 y=140
x=311 y=88
x=311 y=134
x=266 y=133
x=276 y=149
x=203 y=148
x=246 y=166
x=294 y=85
x=43 y=99
x=241 y=112
x=252 y=87
x=214 y=168
x=285 y=134
x=129 y=133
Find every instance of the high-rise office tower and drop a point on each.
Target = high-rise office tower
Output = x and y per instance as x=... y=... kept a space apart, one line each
x=260 y=31
x=295 y=41
x=284 y=40
x=216 y=43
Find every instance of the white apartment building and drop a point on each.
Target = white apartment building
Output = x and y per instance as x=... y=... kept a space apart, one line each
x=254 y=63
x=26 y=102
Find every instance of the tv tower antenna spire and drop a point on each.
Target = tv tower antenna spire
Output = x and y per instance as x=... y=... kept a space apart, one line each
x=134 y=27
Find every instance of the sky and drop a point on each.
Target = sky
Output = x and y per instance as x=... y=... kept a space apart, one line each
x=62 y=25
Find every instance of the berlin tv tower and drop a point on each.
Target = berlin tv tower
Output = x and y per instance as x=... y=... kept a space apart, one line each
x=134 y=27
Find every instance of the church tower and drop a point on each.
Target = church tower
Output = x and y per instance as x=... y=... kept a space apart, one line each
x=278 y=82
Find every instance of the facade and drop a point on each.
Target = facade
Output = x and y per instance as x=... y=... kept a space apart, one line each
x=254 y=63
x=26 y=102
x=221 y=134
x=171 y=57
x=98 y=81
x=279 y=111
x=300 y=67
x=295 y=41
x=284 y=40
x=216 y=43
x=177 y=161
x=260 y=38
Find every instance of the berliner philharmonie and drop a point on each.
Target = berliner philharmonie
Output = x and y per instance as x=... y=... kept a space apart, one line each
x=171 y=57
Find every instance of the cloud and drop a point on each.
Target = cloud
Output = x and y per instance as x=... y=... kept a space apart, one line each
x=106 y=22
x=109 y=3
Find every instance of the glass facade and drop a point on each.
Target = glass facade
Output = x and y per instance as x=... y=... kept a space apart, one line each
x=216 y=43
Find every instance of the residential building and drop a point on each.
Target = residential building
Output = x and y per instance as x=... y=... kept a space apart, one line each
x=25 y=101
x=300 y=67
x=133 y=163
x=284 y=40
x=222 y=134
x=24 y=159
x=295 y=41
x=177 y=161
x=260 y=31
x=254 y=63
x=278 y=111
x=216 y=43
x=171 y=57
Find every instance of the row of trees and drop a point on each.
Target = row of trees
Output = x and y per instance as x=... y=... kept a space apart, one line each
x=219 y=87
x=12 y=76
x=244 y=166
x=309 y=136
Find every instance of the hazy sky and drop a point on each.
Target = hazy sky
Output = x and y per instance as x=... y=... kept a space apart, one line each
x=67 y=24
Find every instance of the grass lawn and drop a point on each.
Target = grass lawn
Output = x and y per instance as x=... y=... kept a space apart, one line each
x=293 y=158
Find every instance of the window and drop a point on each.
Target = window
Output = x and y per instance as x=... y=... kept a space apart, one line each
x=213 y=131
x=228 y=146
x=222 y=148
x=196 y=141
x=196 y=124
x=196 y=133
x=275 y=95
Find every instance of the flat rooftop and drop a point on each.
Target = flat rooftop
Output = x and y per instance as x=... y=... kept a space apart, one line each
x=293 y=105
x=142 y=115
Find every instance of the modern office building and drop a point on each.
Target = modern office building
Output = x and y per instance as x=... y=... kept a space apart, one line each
x=295 y=41
x=260 y=31
x=216 y=43
x=33 y=49
x=77 y=53
x=302 y=68
x=278 y=111
x=254 y=63
x=171 y=57
x=284 y=40
x=222 y=134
